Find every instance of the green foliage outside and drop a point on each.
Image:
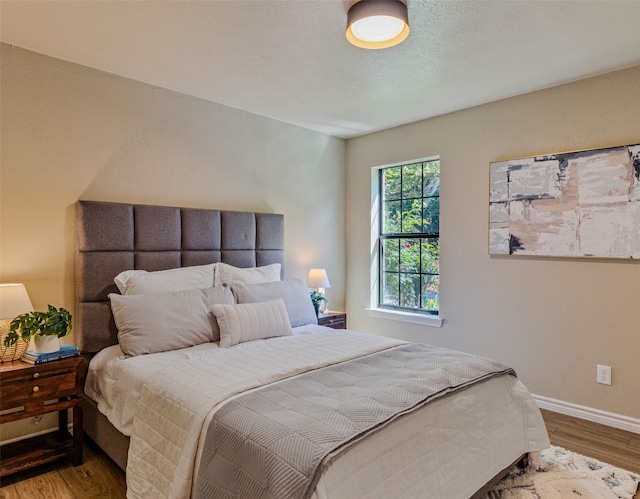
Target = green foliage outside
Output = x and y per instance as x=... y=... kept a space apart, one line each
x=411 y=264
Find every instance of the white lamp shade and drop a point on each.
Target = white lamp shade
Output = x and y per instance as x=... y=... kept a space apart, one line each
x=14 y=301
x=317 y=278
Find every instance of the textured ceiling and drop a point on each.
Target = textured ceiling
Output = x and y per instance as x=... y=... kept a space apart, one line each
x=289 y=59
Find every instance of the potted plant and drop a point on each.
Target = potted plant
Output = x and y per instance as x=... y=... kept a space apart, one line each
x=317 y=299
x=46 y=329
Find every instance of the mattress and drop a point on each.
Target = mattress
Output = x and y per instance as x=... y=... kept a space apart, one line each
x=114 y=381
x=165 y=400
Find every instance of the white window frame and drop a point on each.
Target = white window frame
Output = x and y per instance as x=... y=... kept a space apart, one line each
x=374 y=310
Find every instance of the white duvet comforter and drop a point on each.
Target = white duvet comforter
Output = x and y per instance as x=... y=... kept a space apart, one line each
x=177 y=393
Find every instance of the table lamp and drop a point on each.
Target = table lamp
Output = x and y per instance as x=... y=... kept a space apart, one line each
x=317 y=278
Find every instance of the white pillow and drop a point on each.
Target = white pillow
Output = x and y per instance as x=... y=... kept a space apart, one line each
x=294 y=292
x=230 y=275
x=167 y=321
x=141 y=282
x=251 y=321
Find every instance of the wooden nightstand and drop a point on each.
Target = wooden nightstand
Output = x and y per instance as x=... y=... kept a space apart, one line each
x=335 y=320
x=32 y=390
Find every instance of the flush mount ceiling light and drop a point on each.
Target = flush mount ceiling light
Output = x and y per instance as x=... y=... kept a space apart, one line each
x=377 y=24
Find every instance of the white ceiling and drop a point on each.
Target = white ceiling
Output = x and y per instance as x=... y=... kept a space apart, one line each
x=289 y=59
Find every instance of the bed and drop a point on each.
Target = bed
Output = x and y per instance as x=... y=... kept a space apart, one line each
x=167 y=410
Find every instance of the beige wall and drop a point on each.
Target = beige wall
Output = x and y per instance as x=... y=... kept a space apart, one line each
x=69 y=132
x=551 y=319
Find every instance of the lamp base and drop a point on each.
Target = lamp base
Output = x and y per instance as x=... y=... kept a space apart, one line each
x=15 y=351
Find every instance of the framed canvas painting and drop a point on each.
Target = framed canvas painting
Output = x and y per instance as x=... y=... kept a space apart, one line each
x=576 y=204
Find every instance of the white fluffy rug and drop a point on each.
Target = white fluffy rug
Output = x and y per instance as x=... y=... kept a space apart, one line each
x=565 y=474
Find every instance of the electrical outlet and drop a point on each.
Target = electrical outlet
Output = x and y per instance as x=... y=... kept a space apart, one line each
x=604 y=375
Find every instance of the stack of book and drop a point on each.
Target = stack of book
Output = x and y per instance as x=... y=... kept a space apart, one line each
x=40 y=358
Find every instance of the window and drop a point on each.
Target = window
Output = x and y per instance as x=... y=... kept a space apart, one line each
x=408 y=239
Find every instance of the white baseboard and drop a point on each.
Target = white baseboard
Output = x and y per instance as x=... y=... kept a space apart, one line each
x=29 y=435
x=588 y=413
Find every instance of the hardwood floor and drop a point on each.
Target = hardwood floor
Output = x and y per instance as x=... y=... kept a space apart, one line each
x=617 y=447
x=100 y=477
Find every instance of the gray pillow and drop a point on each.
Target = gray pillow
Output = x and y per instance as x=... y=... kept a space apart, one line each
x=230 y=275
x=141 y=282
x=294 y=292
x=251 y=321
x=167 y=321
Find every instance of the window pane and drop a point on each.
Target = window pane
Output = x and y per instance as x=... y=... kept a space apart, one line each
x=431 y=215
x=391 y=254
x=431 y=256
x=391 y=183
x=431 y=179
x=391 y=222
x=409 y=255
x=410 y=251
x=410 y=290
x=412 y=216
x=390 y=291
x=412 y=181
x=431 y=292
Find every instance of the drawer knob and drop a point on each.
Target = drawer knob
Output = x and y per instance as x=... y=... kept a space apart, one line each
x=36 y=389
x=36 y=375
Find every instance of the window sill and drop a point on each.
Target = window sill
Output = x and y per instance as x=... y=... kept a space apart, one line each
x=397 y=315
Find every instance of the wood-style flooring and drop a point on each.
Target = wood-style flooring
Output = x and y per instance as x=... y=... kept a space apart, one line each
x=100 y=477
x=610 y=445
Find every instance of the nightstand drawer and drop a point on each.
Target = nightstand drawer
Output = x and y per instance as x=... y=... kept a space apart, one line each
x=38 y=389
x=24 y=384
x=335 y=320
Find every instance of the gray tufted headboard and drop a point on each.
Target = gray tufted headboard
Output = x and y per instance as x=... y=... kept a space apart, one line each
x=113 y=237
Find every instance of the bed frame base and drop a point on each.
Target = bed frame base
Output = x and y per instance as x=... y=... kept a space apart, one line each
x=102 y=432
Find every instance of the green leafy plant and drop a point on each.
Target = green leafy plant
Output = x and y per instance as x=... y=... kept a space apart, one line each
x=317 y=298
x=53 y=322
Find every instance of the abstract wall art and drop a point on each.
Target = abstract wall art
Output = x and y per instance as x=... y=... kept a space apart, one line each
x=577 y=204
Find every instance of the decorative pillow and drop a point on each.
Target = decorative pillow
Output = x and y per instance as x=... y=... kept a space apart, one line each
x=230 y=275
x=251 y=321
x=294 y=292
x=167 y=321
x=141 y=282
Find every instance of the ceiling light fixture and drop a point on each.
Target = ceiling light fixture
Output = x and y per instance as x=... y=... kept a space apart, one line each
x=377 y=24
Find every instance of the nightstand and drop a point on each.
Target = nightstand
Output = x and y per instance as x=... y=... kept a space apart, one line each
x=28 y=390
x=335 y=320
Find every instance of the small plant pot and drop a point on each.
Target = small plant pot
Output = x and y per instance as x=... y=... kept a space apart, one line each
x=316 y=307
x=46 y=343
